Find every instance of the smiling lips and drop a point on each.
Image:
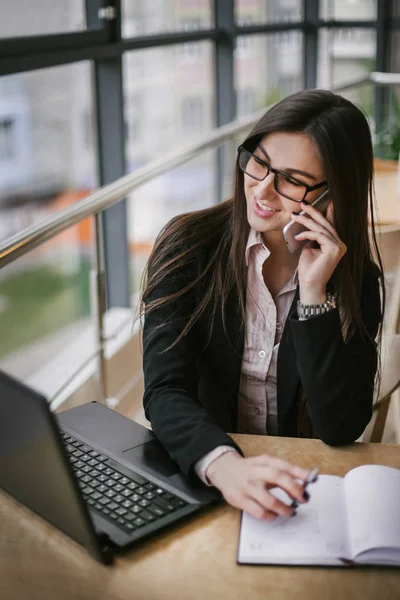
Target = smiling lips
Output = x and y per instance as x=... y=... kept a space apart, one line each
x=265 y=207
x=263 y=210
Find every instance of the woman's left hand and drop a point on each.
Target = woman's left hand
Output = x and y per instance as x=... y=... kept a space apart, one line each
x=316 y=265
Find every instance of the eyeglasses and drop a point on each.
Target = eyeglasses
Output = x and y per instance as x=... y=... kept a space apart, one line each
x=284 y=184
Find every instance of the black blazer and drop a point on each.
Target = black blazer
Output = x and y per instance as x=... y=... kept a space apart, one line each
x=191 y=390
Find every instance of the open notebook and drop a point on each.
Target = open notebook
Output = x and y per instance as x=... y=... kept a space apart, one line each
x=348 y=521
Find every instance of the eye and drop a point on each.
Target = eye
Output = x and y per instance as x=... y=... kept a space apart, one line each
x=294 y=182
x=259 y=161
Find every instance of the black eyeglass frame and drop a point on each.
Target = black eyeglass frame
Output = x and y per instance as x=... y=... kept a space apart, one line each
x=309 y=188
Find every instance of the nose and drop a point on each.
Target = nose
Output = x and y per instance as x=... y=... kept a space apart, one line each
x=266 y=186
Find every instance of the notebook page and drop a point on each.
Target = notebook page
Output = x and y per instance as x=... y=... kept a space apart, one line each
x=373 y=507
x=316 y=535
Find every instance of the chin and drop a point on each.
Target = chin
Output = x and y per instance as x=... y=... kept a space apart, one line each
x=263 y=226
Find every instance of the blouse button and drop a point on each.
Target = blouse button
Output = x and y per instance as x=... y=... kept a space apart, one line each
x=261 y=354
x=279 y=326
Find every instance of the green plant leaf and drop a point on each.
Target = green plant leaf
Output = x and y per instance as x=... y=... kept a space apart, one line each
x=396 y=107
x=387 y=138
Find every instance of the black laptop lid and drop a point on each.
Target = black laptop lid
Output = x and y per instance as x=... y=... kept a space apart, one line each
x=33 y=466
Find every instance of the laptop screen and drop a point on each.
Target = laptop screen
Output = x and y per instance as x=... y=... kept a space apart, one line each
x=33 y=467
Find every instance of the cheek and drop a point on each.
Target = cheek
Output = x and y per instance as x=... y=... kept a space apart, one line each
x=248 y=195
x=289 y=206
x=248 y=191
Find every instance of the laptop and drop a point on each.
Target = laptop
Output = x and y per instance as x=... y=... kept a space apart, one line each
x=96 y=475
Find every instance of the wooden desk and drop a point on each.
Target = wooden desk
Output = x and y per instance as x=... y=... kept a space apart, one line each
x=194 y=560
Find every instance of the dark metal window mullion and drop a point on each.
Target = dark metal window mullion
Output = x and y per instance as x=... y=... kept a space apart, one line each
x=310 y=42
x=344 y=24
x=225 y=97
x=382 y=94
x=56 y=42
x=111 y=161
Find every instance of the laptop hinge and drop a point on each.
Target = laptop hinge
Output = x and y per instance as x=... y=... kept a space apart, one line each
x=107 y=547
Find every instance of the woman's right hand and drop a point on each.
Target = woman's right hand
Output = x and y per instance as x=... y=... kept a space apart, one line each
x=245 y=483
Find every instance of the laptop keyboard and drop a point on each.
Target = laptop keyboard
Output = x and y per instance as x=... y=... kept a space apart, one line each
x=130 y=502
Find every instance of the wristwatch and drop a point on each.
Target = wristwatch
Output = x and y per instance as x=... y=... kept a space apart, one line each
x=304 y=311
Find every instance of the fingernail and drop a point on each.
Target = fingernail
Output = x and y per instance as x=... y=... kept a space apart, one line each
x=294 y=513
x=295 y=504
x=306 y=496
x=305 y=202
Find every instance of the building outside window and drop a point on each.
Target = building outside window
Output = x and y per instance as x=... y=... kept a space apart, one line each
x=7 y=133
x=192 y=115
x=191 y=50
x=50 y=164
x=245 y=102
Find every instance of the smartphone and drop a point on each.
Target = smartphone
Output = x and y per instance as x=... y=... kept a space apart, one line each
x=293 y=228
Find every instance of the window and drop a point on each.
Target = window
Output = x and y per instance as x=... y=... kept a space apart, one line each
x=191 y=50
x=167 y=101
x=192 y=115
x=134 y=116
x=244 y=43
x=348 y=10
x=7 y=142
x=27 y=18
x=87 y=129
x=273 y=60
x=345 y=56
x=395 y=52
x=395 y=8
x=245 y=102
x=48 y=144
x=161 y=16
x=271 y=11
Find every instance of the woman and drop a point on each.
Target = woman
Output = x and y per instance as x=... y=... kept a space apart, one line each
x=229 y=343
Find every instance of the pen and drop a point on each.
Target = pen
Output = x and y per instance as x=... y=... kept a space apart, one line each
x=311 y=477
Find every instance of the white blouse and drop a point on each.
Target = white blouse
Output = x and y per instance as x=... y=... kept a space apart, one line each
x=265 y=319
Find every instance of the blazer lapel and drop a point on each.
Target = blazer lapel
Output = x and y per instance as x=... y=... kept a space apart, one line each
x=287 y=374
x=233 y=344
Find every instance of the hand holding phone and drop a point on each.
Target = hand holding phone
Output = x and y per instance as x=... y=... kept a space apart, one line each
x=293 y=228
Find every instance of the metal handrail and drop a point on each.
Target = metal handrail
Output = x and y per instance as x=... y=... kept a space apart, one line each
x=94 y=204
x=35 y=235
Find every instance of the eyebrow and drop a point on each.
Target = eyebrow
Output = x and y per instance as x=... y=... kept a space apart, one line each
x=288 y=170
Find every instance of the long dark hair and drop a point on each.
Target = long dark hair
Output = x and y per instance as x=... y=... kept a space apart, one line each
x=342 y=135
